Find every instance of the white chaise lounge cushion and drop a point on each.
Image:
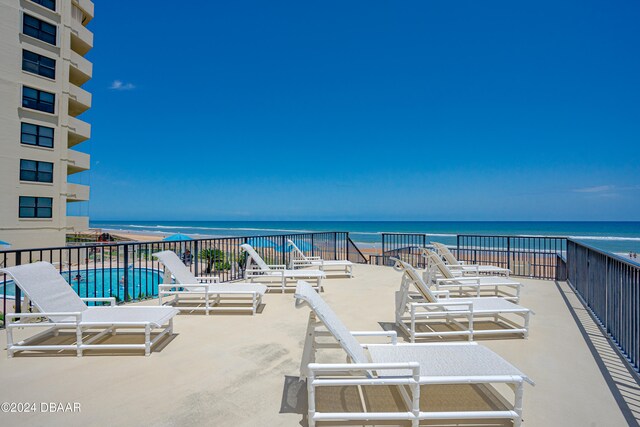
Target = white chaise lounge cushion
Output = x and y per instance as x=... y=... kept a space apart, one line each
x=176 y=267
x=256 y=258
x=332 y=322
x=46 y=288
x=268 y=271
x=480 y=304
x=445 y=360
x=50 y=293
x=184 y=277
x=156 y=316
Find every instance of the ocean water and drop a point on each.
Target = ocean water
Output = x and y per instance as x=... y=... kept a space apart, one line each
x=619 y=237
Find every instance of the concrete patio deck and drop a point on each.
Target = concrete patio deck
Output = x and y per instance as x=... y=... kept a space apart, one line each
x=241 y=370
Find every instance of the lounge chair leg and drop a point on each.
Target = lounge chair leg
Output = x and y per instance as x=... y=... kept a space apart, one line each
x=311 y=393
x=147 y=340
x=79 y=341
x=519 y=391
x=9 y=341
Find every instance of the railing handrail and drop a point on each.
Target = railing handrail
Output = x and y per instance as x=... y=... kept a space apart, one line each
x=133 y=242
x=613 y=255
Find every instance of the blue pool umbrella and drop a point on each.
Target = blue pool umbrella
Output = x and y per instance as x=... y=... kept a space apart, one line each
x=4 y=245
x=258 y=242
x=302 y=245
x=177 y=237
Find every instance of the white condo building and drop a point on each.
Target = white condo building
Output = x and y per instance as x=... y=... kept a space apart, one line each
x=42 y=70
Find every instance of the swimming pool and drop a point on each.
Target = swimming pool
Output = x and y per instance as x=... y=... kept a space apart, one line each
x=108 y=282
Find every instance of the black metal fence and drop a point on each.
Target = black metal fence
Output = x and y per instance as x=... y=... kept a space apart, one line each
x=528 y=256
x=610 y=288
x=405 y=246
x=128 y=271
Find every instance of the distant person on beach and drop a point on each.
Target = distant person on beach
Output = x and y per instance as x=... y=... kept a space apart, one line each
x=187 y=257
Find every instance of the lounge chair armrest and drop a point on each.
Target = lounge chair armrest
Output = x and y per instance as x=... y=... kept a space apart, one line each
x=444 y=294
x=191 y=286
x=110 y=300
x=472 y=280
x=448 y=303
x=76 y=314
x=390 y=334
x=208 y=279
x=332 y=367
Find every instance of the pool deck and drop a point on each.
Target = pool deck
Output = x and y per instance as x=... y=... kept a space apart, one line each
x=231 y=370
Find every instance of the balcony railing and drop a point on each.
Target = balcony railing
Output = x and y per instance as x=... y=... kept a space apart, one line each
x=609 y=286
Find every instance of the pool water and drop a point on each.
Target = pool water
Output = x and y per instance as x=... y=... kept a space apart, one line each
x=109 y=282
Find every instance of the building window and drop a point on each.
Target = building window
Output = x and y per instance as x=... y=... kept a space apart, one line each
x=32 y=170
x=38 y=99
x=49 y=4
x=41 y=136
x=38 y=64
x=35 y=207
x=41 y=30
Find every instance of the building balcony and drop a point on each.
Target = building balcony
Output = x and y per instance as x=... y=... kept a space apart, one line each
x=77 y=224
x=79 y=131
x=77 y=192
x=81 y=38
x=79 y=100
x=80 y=69
x=77 y=162
x=87 y=9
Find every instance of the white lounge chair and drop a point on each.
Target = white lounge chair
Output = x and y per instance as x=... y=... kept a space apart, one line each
x=191 y=293
x=455 y=265
x=428 y=308
x=438 y=273
x=299 y=259
x=62 y=308
x=257 y=268
x=415 y=369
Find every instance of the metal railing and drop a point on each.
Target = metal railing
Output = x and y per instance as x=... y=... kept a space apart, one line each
x=405 y=246
x=609 y=286
x=527 y=256
x=128 y=271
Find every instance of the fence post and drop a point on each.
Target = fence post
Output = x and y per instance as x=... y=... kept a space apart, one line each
x=18 y=293
x=284 y=250
x=335 y=245
x=347 y=239
x=458 y=246
x=126 y=271
x=196 y=257
x=313 y=245
x=509 y=253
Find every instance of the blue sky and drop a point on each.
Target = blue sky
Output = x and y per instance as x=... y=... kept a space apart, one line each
x=365 y=110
